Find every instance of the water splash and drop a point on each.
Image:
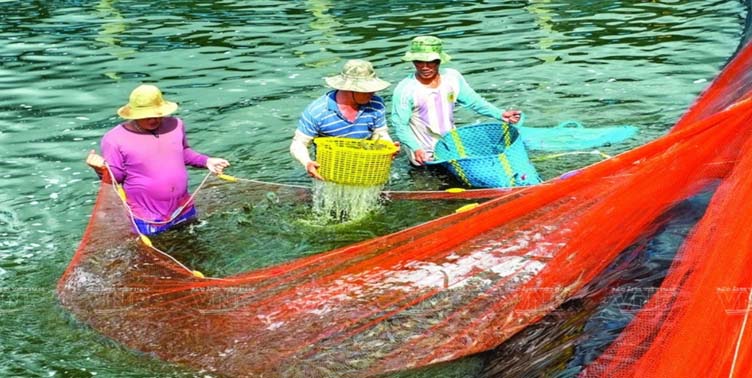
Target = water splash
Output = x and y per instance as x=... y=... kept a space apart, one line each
x=334 y=202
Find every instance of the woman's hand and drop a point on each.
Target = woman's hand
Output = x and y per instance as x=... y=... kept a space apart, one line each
x=95 y=160
x=216 y=165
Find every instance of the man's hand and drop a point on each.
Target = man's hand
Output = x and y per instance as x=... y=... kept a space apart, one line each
x=511 y=116
x=396 y=144
x=94 y=160
x=216 y=165
x=421 y=157
x=313 y=170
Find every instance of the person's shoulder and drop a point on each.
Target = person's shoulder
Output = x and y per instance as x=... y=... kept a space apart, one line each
x=319 y=103
x=376 y=104
x=452 y=77
x=378 y=100
x=115 y=131
x=407 y=82
x=115 y=136
x=316 y=109
x=172 y=123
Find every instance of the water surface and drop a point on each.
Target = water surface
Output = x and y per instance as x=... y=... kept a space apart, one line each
x=243 y=71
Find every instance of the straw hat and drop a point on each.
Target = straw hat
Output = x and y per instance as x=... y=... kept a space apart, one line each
x=426 y=48
x=146 y=102
x=357 y=76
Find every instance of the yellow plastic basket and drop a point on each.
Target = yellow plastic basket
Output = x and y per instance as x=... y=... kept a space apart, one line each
x=350 y=161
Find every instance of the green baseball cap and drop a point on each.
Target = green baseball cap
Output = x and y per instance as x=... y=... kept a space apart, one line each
x=426 y=48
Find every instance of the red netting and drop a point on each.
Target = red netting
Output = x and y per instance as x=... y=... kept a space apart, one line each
x=697 y=322
x=457 y=285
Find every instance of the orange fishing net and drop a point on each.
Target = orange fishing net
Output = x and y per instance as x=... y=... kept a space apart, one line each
x=697 y=323
x=459 y=284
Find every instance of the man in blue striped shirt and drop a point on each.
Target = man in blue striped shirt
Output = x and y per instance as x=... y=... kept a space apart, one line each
x=351 y=110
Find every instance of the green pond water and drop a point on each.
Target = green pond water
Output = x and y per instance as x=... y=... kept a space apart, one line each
x=242 y=71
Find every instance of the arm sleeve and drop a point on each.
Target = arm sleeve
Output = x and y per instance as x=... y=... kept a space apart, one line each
x=307 y=123
x=467 y=97
x=402 y=110
x=299 y=147
x=380 y=131
x=380 y=121
x=190 y=156
x=114 y=159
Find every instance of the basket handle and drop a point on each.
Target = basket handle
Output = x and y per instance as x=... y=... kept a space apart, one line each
x=506 y=135
x=458 y=145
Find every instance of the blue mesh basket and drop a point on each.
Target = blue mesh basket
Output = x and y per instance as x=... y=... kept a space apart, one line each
x=488 y=155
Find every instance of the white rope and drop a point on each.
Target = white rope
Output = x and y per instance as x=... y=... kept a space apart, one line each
x=553 y=156
x=272 y=183
x=741 y=334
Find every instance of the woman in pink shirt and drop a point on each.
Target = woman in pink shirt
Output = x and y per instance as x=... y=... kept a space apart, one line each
x=147 y=154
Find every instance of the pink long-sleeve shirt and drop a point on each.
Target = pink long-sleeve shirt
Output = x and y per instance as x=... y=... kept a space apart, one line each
x=151 y=167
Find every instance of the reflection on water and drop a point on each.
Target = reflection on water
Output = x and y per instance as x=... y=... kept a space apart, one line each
x=242 y=73
x=327 y=24
x=544 y=21
x=110 y=31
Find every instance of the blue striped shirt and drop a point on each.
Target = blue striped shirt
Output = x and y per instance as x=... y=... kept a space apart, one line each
x=323 y=118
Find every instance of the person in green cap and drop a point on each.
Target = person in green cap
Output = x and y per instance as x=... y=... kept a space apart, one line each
x=351 y=110
x=423 y=102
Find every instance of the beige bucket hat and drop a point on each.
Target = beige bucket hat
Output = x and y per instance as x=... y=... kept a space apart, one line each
x=357 y=76
x=146 y=101
x=426 y=48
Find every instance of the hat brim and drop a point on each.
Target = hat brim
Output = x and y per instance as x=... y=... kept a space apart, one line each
x=167 y=108
x=356 y=85
x=426 y=56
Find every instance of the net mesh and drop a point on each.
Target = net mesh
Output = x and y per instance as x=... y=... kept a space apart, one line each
x=572 y=136
x=697 y=323
x=459 y=284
